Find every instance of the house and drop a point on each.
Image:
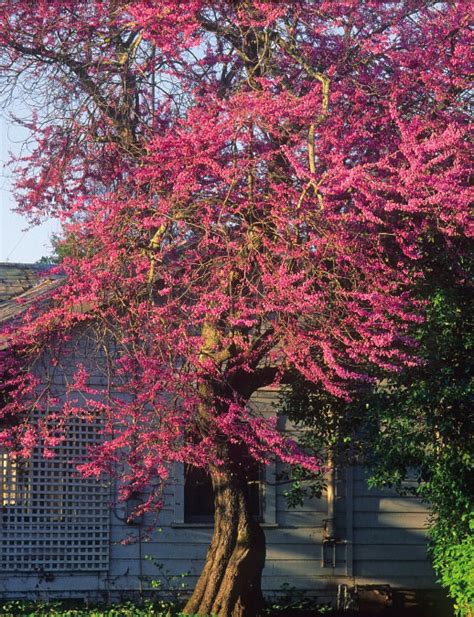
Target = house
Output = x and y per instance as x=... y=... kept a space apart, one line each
x=61 y=536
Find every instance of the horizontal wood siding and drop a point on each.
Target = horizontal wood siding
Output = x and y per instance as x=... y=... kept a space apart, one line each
x=390 y=542
x=388 y=534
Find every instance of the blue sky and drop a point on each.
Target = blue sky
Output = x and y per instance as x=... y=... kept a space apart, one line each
x=19 y=242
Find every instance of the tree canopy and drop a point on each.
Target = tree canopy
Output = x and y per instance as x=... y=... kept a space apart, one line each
x=247 y=185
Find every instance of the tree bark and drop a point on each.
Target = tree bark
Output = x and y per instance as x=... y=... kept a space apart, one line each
x=230 y=582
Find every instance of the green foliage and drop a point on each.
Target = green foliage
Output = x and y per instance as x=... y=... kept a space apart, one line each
x=142 y=608
x=419 y=421
x=423 y=420
x=291 y=598
x=176 y=586
x=302 y=484
x=169 y=594
x=455 y=563
x=65 y=609
x=61 y=247
x=167 y=604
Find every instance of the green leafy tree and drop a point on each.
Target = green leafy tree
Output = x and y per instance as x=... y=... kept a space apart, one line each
x=418 y=420
x=62 y=246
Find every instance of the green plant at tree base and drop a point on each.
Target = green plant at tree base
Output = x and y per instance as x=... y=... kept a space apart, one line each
x=175 y=586
x=417 y=422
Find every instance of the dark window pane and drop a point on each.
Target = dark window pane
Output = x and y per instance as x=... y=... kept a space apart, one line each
x=199 y=497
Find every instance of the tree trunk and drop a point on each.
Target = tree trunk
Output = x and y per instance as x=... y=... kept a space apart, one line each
x=230 y=582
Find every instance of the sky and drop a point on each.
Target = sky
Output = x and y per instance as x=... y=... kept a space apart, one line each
x=19 y=242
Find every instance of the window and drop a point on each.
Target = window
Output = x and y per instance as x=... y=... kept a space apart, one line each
x=13 y=480
x=194 y=499
x=199 y=497
x=52 y=519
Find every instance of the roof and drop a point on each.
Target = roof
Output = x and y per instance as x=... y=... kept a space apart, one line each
x=21 y=286
x=18 y=278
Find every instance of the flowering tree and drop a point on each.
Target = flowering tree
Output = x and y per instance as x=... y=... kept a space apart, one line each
x=246 y=185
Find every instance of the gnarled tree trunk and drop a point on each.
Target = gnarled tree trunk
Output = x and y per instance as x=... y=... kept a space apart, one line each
x=230 y=583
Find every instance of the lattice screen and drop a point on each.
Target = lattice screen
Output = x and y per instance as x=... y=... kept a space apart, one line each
x=52 y=519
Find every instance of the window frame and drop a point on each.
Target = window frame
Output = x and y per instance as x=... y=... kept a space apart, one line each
x=268 y=497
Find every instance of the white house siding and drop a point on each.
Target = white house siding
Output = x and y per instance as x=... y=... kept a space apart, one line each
x=390 y=541
x=380 y=540
x=389 y=548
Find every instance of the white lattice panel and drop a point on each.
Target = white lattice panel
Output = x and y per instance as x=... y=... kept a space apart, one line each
x=52 y=519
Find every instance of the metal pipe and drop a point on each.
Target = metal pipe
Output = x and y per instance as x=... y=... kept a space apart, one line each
x=330 y=528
